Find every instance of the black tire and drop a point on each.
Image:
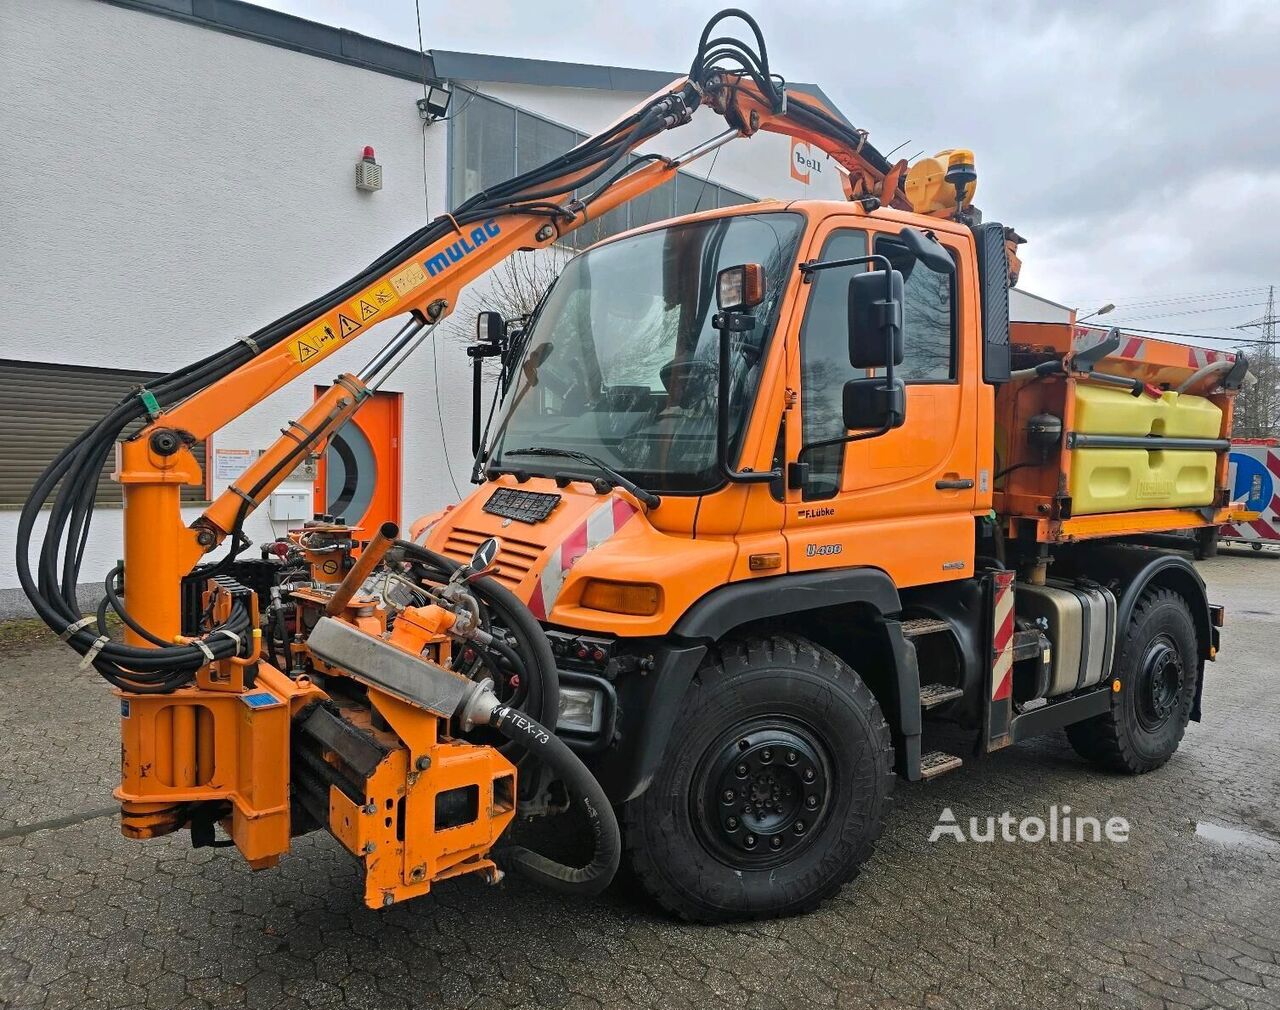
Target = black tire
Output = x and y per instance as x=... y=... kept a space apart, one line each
x=790 y=713
x=1157 y=664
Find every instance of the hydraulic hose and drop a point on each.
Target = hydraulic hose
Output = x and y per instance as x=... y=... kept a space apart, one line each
x=540 y=681
x=585 y=792
x=67 y=485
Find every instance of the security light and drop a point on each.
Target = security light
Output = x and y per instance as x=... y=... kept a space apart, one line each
x=435 y=103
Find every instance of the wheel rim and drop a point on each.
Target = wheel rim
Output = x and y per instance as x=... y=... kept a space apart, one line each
x=1159 y=683
x=762 y=792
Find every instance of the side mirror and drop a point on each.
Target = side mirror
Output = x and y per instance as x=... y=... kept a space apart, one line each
x=927 y=250
x=875 y=319
x=491 y=328
x=876 y=402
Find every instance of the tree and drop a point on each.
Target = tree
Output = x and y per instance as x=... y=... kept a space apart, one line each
x=515 y=288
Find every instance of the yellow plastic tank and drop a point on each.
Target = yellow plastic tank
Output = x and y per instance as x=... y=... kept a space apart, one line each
x=1106 y=410
x=1125 y=480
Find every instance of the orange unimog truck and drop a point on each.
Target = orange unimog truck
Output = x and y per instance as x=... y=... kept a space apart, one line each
x=773 y=488
x=868 y=503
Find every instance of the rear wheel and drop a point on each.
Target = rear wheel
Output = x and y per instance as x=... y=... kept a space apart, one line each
x=773 y=789
x=1157 y=667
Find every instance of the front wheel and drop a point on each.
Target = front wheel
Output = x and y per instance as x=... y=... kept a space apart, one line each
x=1157 y=667
x=773 y=790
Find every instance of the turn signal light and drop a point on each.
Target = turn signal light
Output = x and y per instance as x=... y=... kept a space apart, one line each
x=639 y=598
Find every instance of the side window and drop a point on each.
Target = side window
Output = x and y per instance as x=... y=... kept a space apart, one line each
x=824 y=363
x=928 y=318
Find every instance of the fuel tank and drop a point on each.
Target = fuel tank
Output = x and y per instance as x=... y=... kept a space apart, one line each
x=1080 y=620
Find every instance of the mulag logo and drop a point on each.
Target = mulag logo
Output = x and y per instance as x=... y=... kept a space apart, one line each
x=1060 y=827
x=480 y=234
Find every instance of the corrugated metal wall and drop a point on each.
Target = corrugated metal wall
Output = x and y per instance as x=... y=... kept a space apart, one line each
x=43 y=408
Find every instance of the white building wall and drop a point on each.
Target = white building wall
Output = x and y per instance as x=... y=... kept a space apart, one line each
x=1025 y=307
x=172 y=187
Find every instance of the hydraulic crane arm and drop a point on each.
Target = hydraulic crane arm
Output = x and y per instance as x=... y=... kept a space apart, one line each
x=422 y=277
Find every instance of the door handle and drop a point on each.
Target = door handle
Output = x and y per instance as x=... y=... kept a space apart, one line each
x=962 y=484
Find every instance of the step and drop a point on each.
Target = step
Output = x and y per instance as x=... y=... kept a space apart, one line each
x=937 y=763
x=917 y=626
x=938 y=694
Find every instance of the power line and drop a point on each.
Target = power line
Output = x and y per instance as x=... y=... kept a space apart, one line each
x=1140 y=301
x=1193 y=312
x=1176 y=333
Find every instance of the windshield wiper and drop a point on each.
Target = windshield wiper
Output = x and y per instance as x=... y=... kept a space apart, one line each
x=646 y=498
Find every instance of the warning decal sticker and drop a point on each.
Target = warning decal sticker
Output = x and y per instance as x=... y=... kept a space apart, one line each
x=303 y=349
x=314 y=341
x=373 y=302
x=347 y=325
x=408 y=279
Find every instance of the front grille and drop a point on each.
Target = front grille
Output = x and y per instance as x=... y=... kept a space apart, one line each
x=515 y=559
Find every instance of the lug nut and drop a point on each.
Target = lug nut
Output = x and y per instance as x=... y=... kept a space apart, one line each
x=729 y=795
x=775 y=842
x=749 y=841
x=809 y=775
x=792 y=757
x=741 y=771
x=800 y=827
x=731 y=823
x=766 y=754
x=811 y=802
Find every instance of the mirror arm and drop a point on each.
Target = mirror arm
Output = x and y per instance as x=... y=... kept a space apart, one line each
x=813 y=266
x=722 y=413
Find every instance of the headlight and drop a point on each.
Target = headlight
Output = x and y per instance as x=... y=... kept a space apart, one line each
x=581 y=709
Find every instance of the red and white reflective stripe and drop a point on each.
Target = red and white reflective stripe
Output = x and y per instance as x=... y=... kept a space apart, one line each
x=1134 y=348
x=1002 y=638
x=601 y=523
x=1198 y=357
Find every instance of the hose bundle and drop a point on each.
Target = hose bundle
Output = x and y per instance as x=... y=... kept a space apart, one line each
x=67 y=486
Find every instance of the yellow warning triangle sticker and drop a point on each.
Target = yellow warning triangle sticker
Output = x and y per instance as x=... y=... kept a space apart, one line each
x=346 y=326
x=367 y=310
x=305 y=350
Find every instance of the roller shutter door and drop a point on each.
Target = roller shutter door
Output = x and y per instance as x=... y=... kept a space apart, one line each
x=44 y=407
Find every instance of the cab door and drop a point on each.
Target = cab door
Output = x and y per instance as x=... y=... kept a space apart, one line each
x=903 y=501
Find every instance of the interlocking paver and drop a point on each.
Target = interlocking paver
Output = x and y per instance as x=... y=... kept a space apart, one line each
x=1169 y=920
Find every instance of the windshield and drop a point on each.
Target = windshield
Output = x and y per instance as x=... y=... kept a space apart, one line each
x=621 y=361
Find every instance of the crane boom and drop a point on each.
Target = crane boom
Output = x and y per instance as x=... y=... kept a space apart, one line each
x=422 y=277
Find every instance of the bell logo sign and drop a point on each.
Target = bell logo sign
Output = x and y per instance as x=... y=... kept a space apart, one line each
x=802 y=161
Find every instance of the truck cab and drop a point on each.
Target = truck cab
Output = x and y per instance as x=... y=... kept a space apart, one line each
x=746 y=463
x=621 y=363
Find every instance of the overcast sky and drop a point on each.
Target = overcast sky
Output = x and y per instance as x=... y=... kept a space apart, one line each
x=1135 y=145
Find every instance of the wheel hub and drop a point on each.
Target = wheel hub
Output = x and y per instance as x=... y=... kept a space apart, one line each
x=765 y=787
x=1160 y=688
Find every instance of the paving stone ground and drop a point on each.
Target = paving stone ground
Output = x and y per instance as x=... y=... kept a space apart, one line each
x=1171 y=919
